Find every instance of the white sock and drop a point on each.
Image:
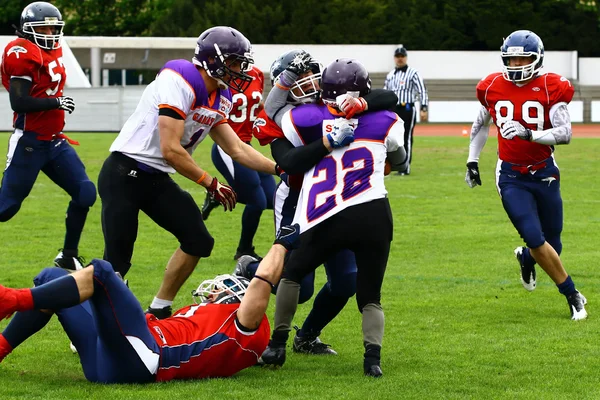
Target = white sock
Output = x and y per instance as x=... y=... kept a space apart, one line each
x=160 y=303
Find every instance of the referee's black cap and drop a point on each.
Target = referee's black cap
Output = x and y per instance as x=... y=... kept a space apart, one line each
x=400 y=51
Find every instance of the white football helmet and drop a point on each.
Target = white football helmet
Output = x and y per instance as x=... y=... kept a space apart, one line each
x=223 y=289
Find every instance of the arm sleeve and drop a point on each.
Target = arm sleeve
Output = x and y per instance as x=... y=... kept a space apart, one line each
x=381 y=99
x=297 y=160
x=479 y=134
x=421 y=89
x=174 y=92
x=22 y=102
x=561 y=131
x=277 y=98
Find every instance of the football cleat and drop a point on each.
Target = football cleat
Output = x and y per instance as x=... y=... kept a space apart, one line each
x=371 y=364
x=311 y=344
x=239 y=253
x=577 y=304
x=241 y=267
x=210 y=203
x=527 y=274
x=69 y=263
x=160 y=313
x=273 y=356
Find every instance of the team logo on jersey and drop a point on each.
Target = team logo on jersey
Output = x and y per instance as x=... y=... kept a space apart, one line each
x=536 y=89
x=16 y=50
x=258 y=123
x=160 y=334
x=225 y=105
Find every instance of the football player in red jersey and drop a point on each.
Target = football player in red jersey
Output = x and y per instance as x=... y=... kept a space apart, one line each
x=530 y=110
x=34 y=75
x=219 y=336
x=254 y=189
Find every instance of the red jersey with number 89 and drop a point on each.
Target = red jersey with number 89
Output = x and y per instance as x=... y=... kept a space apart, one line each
x=45 y=69
x=247 y=105
x=530 y=105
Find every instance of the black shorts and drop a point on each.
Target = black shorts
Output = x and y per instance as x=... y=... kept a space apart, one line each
x=127 y=187
x=366 y=229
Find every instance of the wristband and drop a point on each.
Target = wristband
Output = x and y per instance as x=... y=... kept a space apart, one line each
x=201 y=179
x=264 y=280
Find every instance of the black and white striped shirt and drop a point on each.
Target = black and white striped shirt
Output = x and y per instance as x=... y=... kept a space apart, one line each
x=404 y=82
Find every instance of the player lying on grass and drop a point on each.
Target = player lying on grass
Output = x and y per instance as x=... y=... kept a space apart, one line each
x=225 y=332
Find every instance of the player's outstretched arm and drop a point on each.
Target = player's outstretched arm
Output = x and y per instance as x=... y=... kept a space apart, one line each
x=255 y=301
x=246 y=155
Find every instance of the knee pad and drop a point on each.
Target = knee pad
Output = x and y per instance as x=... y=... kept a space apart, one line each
x=87 y=194
x=49 y=274
x=533 y=237
x=102 y=269
x=198 y=246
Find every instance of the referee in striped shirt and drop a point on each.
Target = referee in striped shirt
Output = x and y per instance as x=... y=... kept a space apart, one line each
x=405 y=81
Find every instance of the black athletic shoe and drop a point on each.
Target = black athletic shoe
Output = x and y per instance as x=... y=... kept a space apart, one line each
x=527 y=274
x=371 y=365
x=210 y=203
x=273 y=356
x=577 y=306
x=160 y=313
x=311 y=344
x=241 y=267
x=70 y=263
x=249 y=252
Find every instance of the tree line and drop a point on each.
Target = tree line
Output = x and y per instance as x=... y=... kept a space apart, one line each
x=418 y=24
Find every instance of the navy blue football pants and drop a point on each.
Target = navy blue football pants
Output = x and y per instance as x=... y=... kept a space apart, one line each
x=254 y=189
x=27 y=156
x=107 y=329
x=531 y=198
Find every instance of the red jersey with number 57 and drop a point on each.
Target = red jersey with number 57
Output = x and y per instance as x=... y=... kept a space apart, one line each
x=206 y=341
x=45 y=69
x=531 y=105
x=247 y=105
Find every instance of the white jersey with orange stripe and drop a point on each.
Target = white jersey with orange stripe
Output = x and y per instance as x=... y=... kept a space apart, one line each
x=180 y=87
x=348 y=176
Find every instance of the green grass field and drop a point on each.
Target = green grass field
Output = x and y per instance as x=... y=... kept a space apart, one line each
x=459 y=325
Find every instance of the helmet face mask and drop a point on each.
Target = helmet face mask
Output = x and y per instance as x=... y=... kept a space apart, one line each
x=522 y=44
x=223 y=289
x=226 y=56
x=42 y=14
x=307 y=88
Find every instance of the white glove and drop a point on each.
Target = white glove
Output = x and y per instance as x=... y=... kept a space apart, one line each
x=66 y=103
x=510 y=129
x=342 y=134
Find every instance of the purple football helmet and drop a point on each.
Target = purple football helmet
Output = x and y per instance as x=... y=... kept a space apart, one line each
x=344 y=75
x=220 y=47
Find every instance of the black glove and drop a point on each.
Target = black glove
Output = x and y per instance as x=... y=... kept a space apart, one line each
x=66 y=103
x=472 y=177
x=300 y=64
x=288 y=236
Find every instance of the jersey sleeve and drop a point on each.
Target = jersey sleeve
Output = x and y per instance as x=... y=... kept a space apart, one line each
x=290 y=131
x=175 y=92
x=261 y=79
x=560 y=89
x=395 y=136
x=266 y=130
x=20 y=61
x=225 y=106
x=483 y=86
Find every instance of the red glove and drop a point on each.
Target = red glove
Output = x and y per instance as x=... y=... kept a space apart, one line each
x=224 y=194
x=351 y=105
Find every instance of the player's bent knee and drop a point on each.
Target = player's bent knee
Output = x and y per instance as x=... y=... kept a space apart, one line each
x=49 y=274
x=347 y=288
x=6 y=213
x=87 y=194
x=306 y=292
x=199 y=246
x=103 y=270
